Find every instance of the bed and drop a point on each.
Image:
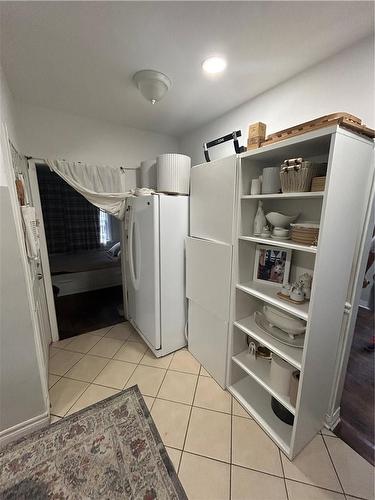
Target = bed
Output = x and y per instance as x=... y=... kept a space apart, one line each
x=85 y=271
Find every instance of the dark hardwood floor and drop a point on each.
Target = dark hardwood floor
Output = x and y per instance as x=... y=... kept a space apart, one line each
x=85 y=312
x=357 y=405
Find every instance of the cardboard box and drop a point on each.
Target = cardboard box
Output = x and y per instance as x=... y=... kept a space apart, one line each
x=257 y=130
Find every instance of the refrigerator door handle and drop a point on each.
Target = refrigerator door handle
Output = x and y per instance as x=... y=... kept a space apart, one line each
x=133 y=276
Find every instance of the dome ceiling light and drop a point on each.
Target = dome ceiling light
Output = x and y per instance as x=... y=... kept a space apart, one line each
x=153 y=85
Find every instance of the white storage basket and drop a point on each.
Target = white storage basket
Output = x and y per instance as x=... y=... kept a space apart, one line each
x=173 y=173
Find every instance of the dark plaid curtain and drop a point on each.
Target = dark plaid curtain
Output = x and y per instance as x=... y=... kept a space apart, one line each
x=71 y=222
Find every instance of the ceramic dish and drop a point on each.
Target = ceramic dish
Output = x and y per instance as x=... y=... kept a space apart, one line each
x=280 y=220
x=276 y=333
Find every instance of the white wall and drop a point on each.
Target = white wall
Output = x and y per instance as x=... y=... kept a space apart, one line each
x=7 y=116
x=21 y=395
x=46 y=132
x=344 y=82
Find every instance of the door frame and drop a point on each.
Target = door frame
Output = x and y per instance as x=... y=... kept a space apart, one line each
x=34 y=187
x=5 y=153
x=351 y=312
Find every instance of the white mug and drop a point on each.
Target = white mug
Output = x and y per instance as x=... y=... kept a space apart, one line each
x=255 y=186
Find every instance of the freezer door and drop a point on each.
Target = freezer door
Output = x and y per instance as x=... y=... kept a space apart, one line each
x=143 y=266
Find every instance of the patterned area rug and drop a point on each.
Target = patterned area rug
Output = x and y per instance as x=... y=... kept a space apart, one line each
x=110 y=450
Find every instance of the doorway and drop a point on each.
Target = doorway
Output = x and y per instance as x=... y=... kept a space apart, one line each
x=84 y=254
x=357 y=404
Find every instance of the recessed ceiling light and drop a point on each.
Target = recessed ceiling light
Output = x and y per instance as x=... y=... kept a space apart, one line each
x=214 y=65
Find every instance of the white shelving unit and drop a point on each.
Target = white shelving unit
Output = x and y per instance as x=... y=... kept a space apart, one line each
x=340 y=211
x=281 y=196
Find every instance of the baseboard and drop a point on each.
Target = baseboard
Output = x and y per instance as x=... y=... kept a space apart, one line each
x=23 y=428
x=332 y=420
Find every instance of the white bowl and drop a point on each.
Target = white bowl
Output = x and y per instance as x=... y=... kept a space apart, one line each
x=280 y=220
x=284 y=321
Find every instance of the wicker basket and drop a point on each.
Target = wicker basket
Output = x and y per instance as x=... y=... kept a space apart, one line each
x=297 y=178
x=318 y=184
x=305 y=233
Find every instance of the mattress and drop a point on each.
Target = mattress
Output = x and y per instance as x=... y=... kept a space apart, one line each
x=87 y=260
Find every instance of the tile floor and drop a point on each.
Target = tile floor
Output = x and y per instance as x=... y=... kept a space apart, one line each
x=219 y=452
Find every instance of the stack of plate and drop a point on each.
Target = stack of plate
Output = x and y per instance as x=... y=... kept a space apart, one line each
x=305 y=233
x=318 y=183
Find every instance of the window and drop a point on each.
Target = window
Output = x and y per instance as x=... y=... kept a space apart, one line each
x=105 y=228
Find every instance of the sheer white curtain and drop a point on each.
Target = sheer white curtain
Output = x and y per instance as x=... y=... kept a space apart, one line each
x=103 y=186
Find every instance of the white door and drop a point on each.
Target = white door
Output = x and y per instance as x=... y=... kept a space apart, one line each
x=46 y=281
x=208 y=279
x=212 y=198
x=143 y=267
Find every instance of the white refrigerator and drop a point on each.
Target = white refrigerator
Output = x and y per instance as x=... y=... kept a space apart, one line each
x=155 y=231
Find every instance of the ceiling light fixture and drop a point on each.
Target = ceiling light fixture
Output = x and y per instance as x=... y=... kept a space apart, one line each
x=153 y=85
x=214 y=65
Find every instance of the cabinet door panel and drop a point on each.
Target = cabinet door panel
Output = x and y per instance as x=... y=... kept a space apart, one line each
x=207 y=341
x=208 y=275
x=212 y=199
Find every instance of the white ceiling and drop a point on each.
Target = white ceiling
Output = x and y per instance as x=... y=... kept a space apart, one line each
x=79 y=57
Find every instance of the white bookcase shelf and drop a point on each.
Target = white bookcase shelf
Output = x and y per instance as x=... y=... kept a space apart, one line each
x=257 y=402
x=280 y=243
x=259 y=370
x=268 y=293
x=283 y=196
x=291 y=354
x=340 y=212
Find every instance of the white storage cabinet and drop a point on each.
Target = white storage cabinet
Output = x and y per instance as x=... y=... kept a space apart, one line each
x=341 y=211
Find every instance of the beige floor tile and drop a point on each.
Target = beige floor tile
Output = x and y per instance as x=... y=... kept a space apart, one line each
x=52 y=351
x=92 y=395
x=175 y=456
x=149 y=401
x=83 y=343
x=132 y=352
x=251 y=485
x=62 y=344
x=150 y=360
x=312 y=466
x=63 y=361
x=209 y=434
x=183 y=361
x=122 y=331
x=115 y=374
x=204 y=479
x=106 y=347
x=252 y=448
x=178 y=387
x=52 y=379
x=355 y=473
x=210 y=395
x=171 y=419
x=238 y=410
x=87 y=368
x=148 y=379
x=54 y=418
x=101 y=332
x=64 y=394
x=299 y=491
x=204 y=373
